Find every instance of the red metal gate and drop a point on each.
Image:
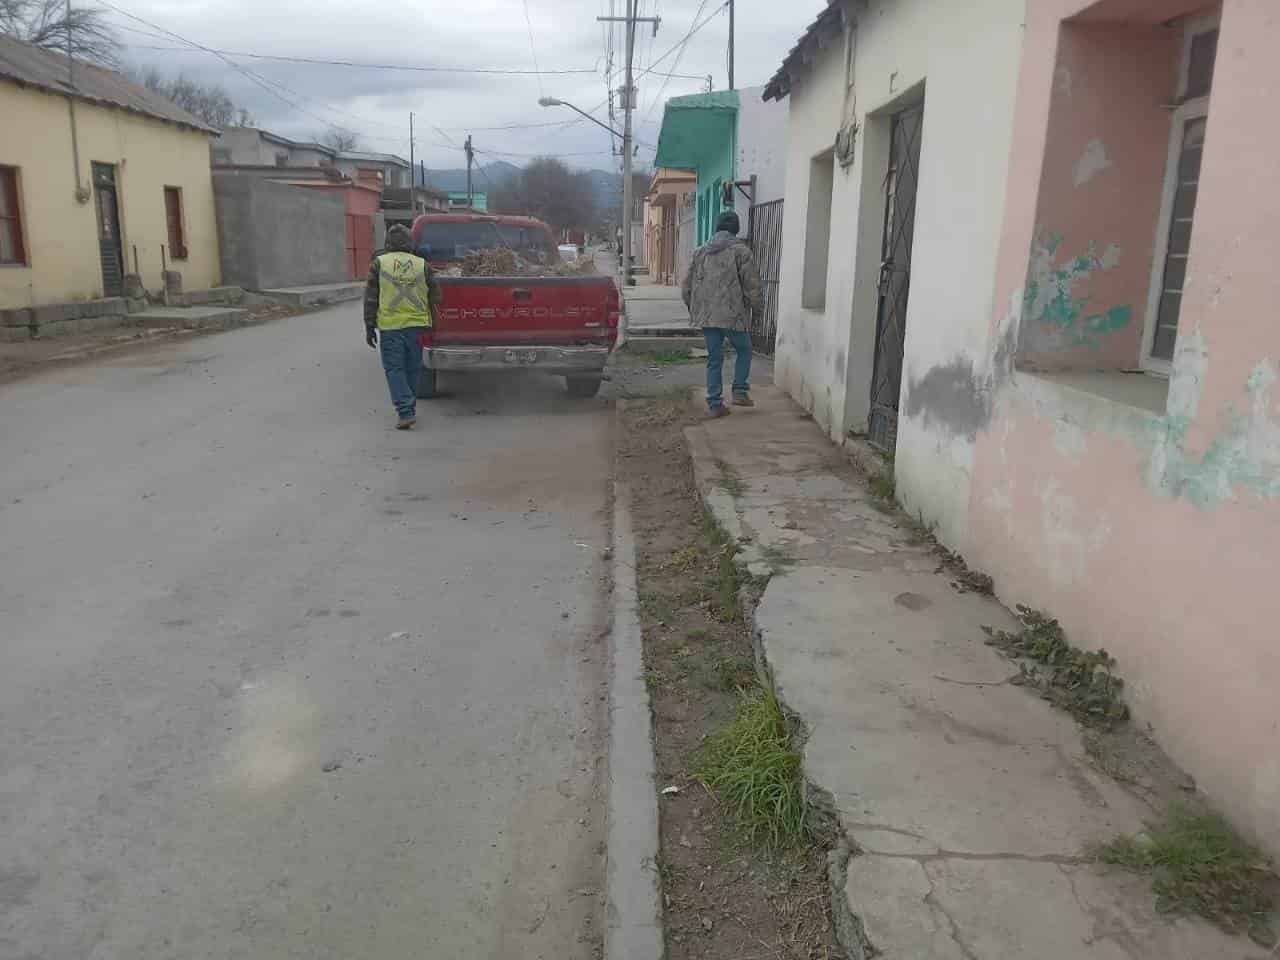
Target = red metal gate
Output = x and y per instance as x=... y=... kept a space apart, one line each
x=359 y=245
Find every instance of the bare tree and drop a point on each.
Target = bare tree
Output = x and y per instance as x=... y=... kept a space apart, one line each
x=208 y=101
x=549 y=190
x=339 y=138
x=55 y=25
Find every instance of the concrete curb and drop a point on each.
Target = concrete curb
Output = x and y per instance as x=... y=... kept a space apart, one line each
x=633 y=905
x=723 y=505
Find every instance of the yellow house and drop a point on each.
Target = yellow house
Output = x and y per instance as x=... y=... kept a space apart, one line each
x=99 y=178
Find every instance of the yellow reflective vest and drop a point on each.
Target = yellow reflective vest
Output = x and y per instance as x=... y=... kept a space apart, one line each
x=402 y=292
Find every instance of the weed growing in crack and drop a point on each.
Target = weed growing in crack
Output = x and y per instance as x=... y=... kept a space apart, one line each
x=725 y=583
x=753 y=769
x=684 y=559
x=777 y=559
x=1079 y=682
x=670 y=355
x=729 y=674
x=729 y=481
x=1199 y=865
x=883 y=486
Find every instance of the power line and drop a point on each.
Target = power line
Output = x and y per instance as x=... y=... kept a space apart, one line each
x=584 y=153
x=512 y=126
x=249 y=74
x=533 y=49
x=281 y=58
x=692 y=30
x=364 y=135
x=683 y=44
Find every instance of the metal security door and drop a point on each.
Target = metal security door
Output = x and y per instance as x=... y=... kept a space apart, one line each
x=900 y=184
x=109 y=246
x=766 y=240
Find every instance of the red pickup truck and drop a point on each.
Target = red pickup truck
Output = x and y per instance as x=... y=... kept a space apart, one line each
x=559 y=325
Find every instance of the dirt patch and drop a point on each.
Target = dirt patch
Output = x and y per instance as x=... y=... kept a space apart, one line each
x=723 y=898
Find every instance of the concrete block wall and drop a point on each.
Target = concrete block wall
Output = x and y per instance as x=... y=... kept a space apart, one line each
x=61 y=319
x=274 y=234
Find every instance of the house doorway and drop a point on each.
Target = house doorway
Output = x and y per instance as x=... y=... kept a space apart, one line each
x=900 y=183
x=110 y=249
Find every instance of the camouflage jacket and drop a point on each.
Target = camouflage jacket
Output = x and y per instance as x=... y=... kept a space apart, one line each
x=722 y=288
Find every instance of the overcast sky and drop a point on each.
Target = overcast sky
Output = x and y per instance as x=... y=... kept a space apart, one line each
x=461 y=33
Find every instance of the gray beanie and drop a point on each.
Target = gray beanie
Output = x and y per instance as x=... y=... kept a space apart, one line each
x=728 y=222
x=399 y=239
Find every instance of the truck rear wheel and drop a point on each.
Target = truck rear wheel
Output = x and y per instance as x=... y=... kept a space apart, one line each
x=582 y=386
x=425 y=388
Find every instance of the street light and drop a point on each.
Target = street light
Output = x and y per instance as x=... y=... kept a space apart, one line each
x=553 y=102
x=625 y=252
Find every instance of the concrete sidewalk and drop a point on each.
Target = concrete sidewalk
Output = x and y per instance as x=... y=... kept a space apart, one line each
x=970 y=802
x=655 y=310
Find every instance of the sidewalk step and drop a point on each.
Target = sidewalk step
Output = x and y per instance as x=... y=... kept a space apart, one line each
x=316 y=294
x=193 y=318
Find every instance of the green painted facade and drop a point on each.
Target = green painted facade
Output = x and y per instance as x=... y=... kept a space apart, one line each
x=700 y=133
x=479 y=201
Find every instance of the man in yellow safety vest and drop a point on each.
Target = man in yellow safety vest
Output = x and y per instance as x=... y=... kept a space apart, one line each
x=397 y=308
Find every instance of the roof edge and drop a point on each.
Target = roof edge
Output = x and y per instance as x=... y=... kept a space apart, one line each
x=830 y=21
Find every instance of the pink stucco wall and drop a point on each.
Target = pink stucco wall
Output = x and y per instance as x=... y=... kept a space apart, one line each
x=1100 y=192
x=1155 y=535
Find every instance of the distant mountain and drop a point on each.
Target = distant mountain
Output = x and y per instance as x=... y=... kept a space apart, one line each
x=483 y=176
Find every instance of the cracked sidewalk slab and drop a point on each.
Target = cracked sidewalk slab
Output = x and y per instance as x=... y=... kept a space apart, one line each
x=970 y=802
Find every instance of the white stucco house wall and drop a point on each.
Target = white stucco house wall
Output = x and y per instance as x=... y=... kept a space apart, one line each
x=761 y=148
x=857 y=66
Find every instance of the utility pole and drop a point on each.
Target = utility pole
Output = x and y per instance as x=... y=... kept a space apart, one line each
x=470 y=153
x=731 y=26
x=412 y=206
x=628 y=106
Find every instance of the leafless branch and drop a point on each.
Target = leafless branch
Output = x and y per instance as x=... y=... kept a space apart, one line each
x=82 y=31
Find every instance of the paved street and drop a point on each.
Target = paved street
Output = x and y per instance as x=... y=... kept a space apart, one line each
x=280 y=681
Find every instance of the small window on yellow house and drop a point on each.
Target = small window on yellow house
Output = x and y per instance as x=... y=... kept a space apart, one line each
x=173 y=218
x=12 y=248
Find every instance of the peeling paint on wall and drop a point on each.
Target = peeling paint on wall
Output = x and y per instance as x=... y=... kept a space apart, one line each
x=957 y=396
x=1092 y=162
x=1244 y=454
x=1050 y=299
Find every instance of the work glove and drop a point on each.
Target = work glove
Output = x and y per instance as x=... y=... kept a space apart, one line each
x=371 y=336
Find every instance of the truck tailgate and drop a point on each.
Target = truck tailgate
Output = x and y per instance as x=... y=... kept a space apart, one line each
x=527 y=310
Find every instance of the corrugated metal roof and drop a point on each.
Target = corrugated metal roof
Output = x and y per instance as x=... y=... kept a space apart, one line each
x=33 y=67
x=716 y=100
x=827 y=23
x=697 y=129
x=373 y=157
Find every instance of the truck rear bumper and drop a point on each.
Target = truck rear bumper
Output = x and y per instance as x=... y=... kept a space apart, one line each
x=561 y=360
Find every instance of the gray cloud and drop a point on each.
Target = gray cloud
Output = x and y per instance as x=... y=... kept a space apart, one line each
x=478 y=33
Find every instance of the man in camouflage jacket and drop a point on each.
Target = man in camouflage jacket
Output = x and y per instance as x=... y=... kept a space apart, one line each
x=722 y=291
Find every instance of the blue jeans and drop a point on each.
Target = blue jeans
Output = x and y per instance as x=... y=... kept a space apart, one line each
x=402 y=362
x=741 y=342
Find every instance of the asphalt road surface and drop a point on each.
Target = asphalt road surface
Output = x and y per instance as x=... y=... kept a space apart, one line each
x=280 y=681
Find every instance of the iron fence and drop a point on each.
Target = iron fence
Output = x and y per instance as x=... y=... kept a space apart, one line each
x=765 y=235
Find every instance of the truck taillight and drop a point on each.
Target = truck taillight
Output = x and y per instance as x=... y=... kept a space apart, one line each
x=614 y=318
